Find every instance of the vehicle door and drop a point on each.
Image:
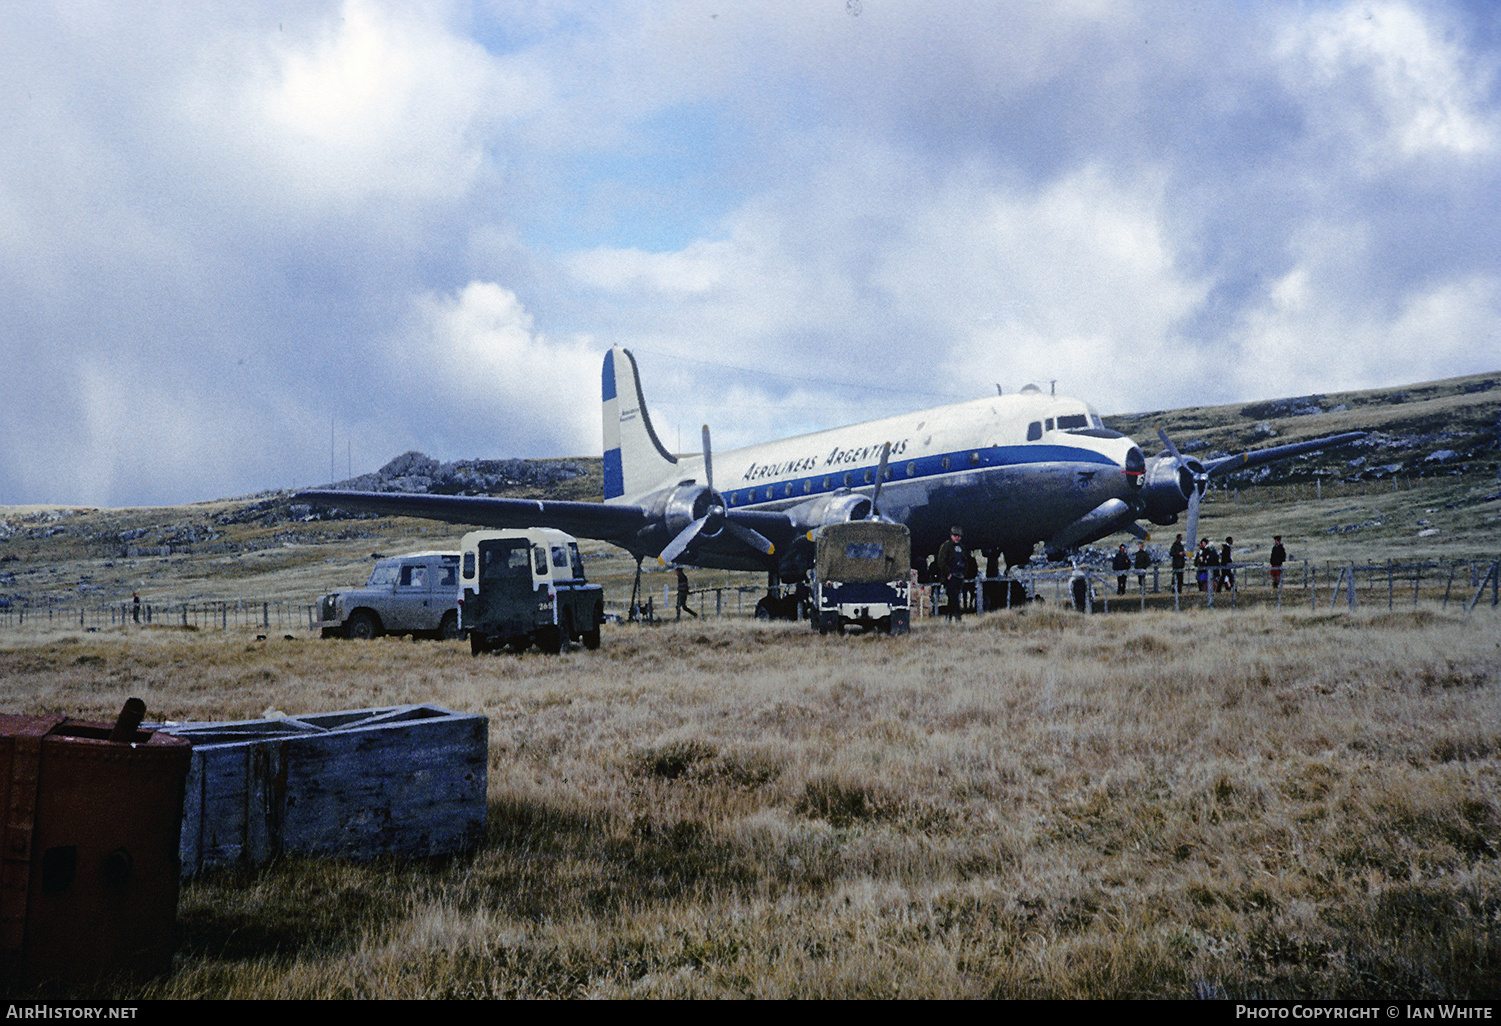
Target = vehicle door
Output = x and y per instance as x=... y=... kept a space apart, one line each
x=413 y=598
x=379 y=592
x=504 y=597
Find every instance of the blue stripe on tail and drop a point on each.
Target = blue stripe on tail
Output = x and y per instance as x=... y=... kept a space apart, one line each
x=614 y=475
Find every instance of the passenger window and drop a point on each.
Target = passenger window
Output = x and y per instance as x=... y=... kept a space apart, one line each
x=912 y=470
x=539 y=560
x=826 y=483
x=808 y=486
x=468 y=566
x=559 y=556
x=414 y=577
x=945 y=463
x=1034 y=431
x=448 y=576
x=575 y=561
x=974 y=459
x=849 y=479
x=869 y=477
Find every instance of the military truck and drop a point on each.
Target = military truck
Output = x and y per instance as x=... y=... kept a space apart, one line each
x=415 y=594
x=524 y=588
x=862 y=577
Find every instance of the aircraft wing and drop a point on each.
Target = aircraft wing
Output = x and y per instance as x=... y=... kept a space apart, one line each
x=1227 y=464
x=581 y=519
x=633 y=528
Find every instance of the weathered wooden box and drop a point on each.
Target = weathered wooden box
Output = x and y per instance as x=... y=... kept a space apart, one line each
x=408 y=780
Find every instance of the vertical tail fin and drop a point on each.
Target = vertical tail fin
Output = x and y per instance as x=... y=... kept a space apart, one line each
x=635 y=459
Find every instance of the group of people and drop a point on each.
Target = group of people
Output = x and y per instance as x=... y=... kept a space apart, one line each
x=1216 y=569
x=1124 y=561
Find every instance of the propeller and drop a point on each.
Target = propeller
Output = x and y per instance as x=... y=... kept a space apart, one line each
x=1199 y=479
x=713 y=520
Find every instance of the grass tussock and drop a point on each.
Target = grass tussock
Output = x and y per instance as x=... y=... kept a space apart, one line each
x=1030 y=804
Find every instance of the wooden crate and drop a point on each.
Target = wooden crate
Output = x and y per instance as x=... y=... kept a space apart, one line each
x=408 y=780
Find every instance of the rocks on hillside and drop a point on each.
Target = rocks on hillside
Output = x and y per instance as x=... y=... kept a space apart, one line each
x=419 y=473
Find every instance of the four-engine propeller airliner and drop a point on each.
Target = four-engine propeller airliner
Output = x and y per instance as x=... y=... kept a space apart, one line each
x=1012 y=470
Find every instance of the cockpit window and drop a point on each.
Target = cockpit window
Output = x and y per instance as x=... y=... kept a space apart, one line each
x=1076 y=420
x=1034 y=431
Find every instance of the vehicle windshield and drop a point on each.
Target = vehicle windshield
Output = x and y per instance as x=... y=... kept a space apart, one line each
x=384 y=575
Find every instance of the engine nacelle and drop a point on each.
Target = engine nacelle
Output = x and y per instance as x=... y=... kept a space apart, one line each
x=1167 y=486
x=835 y=508
x=681 y=505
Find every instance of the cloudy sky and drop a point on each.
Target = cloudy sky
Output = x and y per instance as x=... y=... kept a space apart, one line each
x=244 y=244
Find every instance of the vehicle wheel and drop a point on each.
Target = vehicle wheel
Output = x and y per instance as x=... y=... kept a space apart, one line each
x=763 y=612
x=476 y=643
x=565 y=632
x=449 y=628
x=519 y=645
x=362 y=625
x=590 y=638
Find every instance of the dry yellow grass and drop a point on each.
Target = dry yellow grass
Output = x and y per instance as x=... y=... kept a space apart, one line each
x=1256 y=803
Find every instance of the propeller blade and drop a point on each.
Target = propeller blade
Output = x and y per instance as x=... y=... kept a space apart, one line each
x=1193 y=520
x=1167 y=443
x=875 y=496
x=1133 y=527
x=708 y=461
x=752 y=538
x=673 y=549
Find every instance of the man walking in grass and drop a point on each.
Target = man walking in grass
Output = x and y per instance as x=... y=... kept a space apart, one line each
x=1279 y=556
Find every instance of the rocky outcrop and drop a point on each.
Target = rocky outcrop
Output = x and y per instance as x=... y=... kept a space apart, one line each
x=417 y=473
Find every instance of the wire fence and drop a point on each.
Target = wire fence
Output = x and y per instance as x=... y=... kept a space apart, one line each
x=199 y=614
x=1392 y=584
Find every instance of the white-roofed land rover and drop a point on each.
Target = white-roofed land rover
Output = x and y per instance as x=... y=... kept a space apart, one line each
x=526 y=587
x=415 y=594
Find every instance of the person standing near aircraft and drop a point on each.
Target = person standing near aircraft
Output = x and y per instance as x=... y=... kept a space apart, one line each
x=950 y=564
x=1142 y=562
x=1279 y=556
x=683 y=595
x=1227 y=572
x=1179 y=555
x=1120 y=564
x=1204 y=559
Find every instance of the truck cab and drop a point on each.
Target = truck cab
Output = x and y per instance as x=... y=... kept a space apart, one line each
x=414 y=594
x=520 y=588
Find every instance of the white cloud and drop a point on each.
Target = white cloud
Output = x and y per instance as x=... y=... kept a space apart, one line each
x=1383 y=75
x=1313 y=333
x=476 y=374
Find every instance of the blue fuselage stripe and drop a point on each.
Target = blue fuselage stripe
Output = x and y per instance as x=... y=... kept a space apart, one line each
x=923 y=467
